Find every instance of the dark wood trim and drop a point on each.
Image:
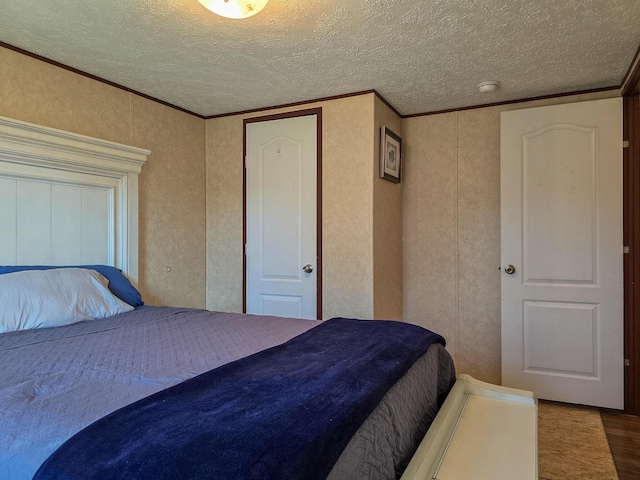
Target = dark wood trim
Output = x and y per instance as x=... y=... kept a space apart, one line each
x=628 y=303
x=634 y=222
x=435 y=112
x=635 y=82
x=244 y=215
x=97 y=79
x=299 y=113
x=631 y=81
x=279 y=116
x=384 y=100
x=631 y=192
x=508 y=102
x=298 y=104
x=319 y=214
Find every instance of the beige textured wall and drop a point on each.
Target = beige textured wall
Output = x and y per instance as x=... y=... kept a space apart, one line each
x=172 y=204
x=172 y=183
x=450 y=203
x=451 y=226
x=387 y=226
x=347 y=192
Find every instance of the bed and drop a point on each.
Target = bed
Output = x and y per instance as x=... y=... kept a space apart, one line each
x=72 y=375
x=56 y=381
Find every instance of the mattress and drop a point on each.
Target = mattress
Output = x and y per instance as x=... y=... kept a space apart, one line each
x=55 y=382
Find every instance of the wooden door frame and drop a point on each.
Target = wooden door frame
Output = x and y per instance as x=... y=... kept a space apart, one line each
x=631 y=155
x=279 y=116
x=631 y=176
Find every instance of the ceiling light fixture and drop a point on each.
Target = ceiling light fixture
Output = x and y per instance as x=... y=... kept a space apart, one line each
x=234 y=8
x=488 y=86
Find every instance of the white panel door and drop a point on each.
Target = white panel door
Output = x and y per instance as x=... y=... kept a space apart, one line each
x=281 y=176
x=562 y=277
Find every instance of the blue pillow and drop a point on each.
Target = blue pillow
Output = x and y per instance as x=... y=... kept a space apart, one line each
x=119 y=285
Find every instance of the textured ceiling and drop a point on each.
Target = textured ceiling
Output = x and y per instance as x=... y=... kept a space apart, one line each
x=420 y=55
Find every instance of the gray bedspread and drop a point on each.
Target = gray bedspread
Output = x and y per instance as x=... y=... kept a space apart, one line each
x=54 y=382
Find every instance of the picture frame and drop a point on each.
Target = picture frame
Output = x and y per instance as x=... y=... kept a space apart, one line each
x=390 y=155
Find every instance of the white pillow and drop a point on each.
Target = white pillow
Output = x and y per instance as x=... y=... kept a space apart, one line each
x=52 y=298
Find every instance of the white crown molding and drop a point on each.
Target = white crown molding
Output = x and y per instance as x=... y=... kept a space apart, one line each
x=30 y=144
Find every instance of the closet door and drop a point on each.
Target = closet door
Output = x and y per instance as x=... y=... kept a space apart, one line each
x=562 y=252
x=281 y=202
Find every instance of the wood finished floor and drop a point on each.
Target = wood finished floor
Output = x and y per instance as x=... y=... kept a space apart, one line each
x=623 y=435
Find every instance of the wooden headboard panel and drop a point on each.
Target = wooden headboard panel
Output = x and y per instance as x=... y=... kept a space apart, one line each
x=67 y=199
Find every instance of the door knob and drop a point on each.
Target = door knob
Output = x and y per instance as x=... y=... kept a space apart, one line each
x=308 y=268
x=510 y=269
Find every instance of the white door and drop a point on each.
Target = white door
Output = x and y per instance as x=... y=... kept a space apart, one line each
x=281 y=199
x=561 y=222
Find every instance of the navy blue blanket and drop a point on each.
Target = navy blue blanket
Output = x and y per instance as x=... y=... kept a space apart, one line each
x=286 y=412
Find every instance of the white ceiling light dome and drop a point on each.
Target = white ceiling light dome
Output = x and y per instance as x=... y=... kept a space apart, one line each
x=234 y=8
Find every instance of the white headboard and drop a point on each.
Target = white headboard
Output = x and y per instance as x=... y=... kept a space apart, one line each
x=67 y=199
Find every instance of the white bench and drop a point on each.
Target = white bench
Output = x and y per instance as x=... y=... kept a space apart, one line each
x=482 y=431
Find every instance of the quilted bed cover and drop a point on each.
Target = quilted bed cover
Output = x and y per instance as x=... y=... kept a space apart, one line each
x=55 y=382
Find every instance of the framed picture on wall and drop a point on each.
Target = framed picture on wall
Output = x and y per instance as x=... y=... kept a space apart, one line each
x=390 y=155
